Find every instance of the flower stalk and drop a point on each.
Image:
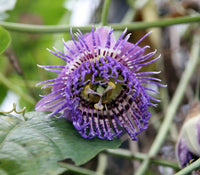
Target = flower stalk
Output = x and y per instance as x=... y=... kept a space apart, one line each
x=141 y=156
x=30 y=28
x=195 y=165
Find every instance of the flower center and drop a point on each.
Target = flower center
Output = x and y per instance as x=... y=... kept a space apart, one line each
x=99 y=94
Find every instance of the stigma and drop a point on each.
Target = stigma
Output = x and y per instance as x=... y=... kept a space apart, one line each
x=99 y=94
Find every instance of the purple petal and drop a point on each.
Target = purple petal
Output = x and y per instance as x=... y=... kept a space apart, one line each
x=99 y=89
x=182 y=153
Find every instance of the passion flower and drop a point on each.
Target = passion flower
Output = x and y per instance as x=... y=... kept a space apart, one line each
x=100 y=89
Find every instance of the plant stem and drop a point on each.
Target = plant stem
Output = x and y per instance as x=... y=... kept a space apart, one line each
x=141 y=156
x=195 y=165
x=104 y=14
x=175 y=102
x=66 y=28
x=102 y=163
x=13 y=88
x=197 y=92
x=77 y=170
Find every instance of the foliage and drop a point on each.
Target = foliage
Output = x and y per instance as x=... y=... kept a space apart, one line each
x=5 y=39
x=35 y=145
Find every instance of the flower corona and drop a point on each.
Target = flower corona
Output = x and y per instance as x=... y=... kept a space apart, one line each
x=100 y=89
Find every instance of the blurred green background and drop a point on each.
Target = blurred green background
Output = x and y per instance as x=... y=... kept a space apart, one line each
x=19 y=63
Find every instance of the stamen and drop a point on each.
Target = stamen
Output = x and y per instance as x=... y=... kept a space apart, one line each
x=111 y=86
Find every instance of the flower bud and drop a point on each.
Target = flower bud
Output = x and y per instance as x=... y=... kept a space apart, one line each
x=188 y=145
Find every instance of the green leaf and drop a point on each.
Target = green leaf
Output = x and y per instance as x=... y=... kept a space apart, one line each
x=4 y=39
x=3 y=92
x=34 y=146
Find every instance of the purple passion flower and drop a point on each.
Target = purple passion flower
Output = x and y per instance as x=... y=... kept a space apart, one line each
x=188 y=145
x=100 y=89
